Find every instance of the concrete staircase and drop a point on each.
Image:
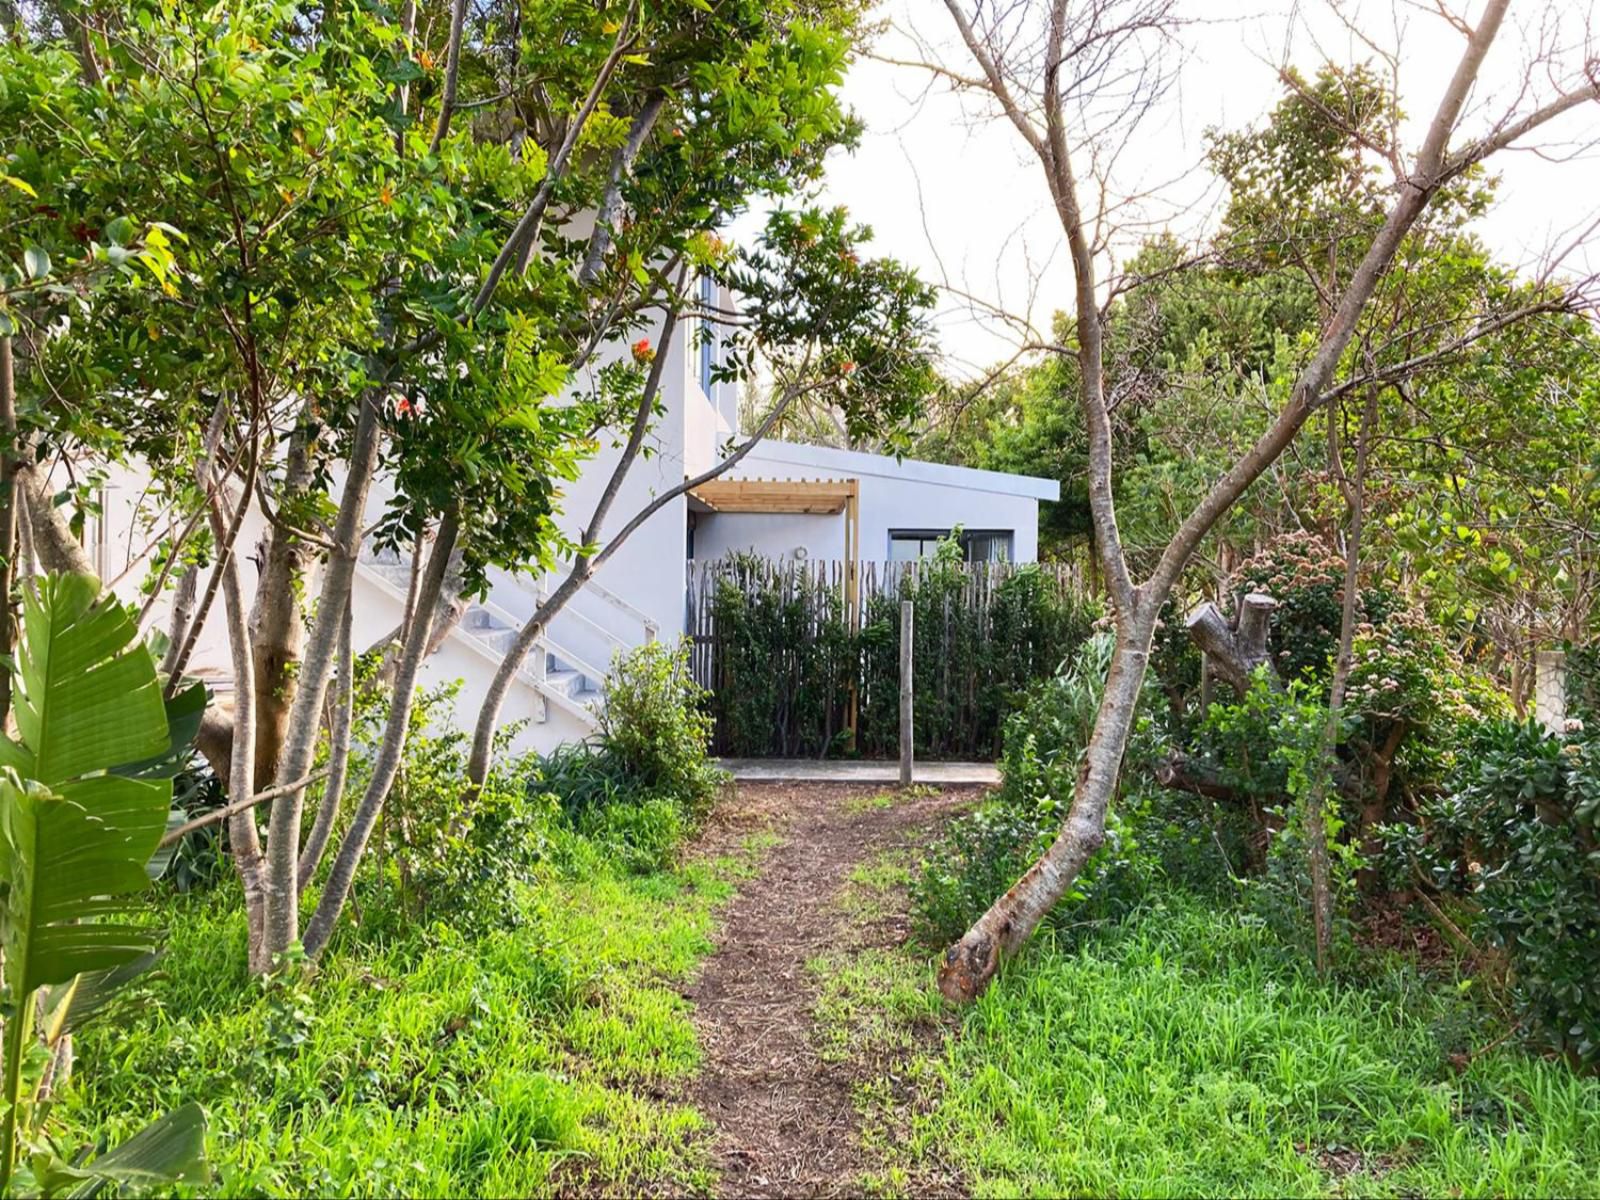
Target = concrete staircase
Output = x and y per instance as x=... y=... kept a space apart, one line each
x=556 y=674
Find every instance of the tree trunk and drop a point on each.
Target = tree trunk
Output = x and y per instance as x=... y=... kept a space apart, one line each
x=387 y=763
x=181 y=618
x=52 y=540
x=494 y=699
x=305 y=716
x=447 y=613
x=1236 y=652
x=1376 y=806
x=338 y=760
x=244 y=840
x=1316 y=829
x=971 y=963
x=277 y=625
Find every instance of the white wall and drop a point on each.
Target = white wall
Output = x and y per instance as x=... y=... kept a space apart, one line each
x=903 y=495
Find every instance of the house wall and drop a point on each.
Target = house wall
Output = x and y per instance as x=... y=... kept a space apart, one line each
x=904 y=495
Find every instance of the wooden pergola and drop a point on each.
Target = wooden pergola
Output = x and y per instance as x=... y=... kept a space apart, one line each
x=810 y=497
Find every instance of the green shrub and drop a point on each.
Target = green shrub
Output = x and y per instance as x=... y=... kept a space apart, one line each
x=785 y=663
x=637 y=791
x=976 y=653
x=785 y=660
x=444 y=859
x=654 y=725
x=1518 y=835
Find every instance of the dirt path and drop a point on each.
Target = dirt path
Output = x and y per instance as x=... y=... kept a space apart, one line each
x=785 y=1119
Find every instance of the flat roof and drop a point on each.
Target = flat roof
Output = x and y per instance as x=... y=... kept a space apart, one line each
x=858 y=463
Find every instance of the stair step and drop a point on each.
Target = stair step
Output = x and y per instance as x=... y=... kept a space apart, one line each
x=571 y=684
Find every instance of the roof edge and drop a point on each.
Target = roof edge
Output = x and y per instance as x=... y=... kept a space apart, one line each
x=887 y=466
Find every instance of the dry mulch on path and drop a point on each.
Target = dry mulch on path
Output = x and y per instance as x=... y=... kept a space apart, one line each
x=785 y=1120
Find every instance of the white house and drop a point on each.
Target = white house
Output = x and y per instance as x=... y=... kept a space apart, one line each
x=899 y=507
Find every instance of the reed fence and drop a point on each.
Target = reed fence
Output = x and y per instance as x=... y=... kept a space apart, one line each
x=794 y=672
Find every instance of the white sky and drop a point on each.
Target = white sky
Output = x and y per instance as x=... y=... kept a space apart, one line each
x=958 y=196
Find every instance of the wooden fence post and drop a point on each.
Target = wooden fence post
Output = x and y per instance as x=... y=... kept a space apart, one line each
x=907 y=697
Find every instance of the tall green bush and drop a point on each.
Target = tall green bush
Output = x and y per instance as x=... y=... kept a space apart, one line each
x=638 y=789
x=1517 y=837
x=784 y=664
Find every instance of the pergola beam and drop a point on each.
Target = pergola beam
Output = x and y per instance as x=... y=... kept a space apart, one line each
x=809 y=497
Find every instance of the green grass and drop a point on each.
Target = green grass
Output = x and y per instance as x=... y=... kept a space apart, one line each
x=878 y=801
x=508 y=1065
x=1180 y=1053
x=875 y=889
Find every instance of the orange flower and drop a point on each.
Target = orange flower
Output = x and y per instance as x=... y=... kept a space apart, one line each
x=642 y=353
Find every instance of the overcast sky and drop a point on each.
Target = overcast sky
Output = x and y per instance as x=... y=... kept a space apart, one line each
x=954 y=193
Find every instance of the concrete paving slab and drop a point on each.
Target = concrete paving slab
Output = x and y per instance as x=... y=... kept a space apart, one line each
x=832 y=770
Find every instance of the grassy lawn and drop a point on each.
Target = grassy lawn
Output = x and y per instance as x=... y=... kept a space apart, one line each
x=543 y=1055
x=1179 y=1053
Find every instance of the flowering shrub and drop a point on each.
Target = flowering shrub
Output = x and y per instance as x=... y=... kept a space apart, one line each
x=1411 y=697
x=1409 y=690
x=1306 y=577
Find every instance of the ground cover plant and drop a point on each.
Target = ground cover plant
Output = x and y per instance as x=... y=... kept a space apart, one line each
x=1177 y=1051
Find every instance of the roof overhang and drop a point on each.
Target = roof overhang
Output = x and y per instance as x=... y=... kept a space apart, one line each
x=814 y=496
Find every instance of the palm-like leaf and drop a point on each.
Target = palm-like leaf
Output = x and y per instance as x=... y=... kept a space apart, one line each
x=87 y=699
x=74 y=841
x=74 y=837
x=170 y=1150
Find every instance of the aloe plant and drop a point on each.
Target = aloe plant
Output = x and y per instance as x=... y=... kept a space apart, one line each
x=80 y=819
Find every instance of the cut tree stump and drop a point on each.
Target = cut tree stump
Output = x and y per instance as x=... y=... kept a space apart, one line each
x=1234 y=650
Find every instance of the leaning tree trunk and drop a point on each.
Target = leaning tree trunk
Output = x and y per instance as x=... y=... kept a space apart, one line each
x=386 y=763
x=971 y=963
